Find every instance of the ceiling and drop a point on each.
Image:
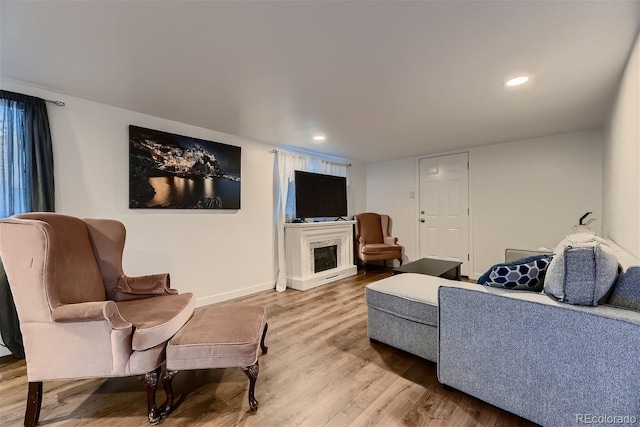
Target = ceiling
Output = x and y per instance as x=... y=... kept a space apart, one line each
x=382 y=79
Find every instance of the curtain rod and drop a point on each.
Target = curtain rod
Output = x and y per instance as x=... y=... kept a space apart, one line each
x=58 y=102
x=274 y=151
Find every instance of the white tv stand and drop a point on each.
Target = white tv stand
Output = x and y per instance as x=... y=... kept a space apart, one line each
x=301 y=242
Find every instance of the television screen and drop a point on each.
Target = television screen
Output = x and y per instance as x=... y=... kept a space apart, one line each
x=320 y=195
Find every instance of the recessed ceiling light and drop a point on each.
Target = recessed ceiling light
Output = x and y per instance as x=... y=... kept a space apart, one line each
x=319 y=138
x=517 y=81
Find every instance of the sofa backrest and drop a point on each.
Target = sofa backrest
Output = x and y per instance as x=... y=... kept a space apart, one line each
x=625 y=259
x=59 y=245
x=369 y=227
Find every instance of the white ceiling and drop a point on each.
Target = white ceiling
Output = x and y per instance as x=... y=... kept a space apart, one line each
x=382 y=79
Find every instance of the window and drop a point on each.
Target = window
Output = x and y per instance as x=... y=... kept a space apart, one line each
x=26 y=158
x=13 y=176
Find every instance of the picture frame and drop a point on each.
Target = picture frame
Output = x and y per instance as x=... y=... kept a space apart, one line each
x=170 y=171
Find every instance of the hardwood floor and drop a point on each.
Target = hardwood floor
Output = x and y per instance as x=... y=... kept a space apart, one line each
x=321 y=370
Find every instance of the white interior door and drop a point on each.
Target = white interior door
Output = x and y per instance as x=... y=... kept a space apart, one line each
x=444 y=208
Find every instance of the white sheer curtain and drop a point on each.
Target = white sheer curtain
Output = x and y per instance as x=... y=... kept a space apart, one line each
x=327 y=167
x=284 y=166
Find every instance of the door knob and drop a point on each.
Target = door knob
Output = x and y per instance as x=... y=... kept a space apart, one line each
x=421 y=219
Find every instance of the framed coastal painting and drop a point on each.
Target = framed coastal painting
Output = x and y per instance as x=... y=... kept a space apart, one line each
x=168 y=171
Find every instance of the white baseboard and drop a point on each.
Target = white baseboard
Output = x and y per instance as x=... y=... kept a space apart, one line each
x=328 y=276
x=212 y=299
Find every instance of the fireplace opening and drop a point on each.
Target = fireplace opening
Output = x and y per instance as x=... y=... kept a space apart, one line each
x=325 y=258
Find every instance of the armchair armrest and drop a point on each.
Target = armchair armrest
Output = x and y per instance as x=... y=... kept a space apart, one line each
x=390 y=240
x=91 y=311
x=154 y=284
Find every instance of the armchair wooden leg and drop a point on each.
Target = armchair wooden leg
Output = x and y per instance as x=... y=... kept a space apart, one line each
x=34 y=403
x=167 y=383
x=364 y=268
x=252 y=372
x=150 y=381
x=263 y=347
x=400 y=260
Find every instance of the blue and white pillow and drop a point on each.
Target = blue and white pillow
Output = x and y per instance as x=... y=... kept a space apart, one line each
x=523 y=274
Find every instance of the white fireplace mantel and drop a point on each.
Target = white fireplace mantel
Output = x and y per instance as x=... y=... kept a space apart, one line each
x=300 y=241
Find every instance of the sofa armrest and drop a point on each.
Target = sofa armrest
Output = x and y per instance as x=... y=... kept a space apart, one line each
x=505 y=347
x=90 y=311
x=511 y=254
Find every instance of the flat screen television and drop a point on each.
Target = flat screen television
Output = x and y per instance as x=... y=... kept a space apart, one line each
x=320 y=196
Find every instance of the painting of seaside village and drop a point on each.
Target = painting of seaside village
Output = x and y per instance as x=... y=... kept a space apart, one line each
x=168 y=171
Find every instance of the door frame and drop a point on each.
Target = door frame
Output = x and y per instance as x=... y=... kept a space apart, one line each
x=470 y=228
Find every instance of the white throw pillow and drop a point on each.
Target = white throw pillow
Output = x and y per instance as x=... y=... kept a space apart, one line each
x=577 y=239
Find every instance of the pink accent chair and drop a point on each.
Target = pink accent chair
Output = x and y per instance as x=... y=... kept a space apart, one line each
x=374 y=241
x=80 y=315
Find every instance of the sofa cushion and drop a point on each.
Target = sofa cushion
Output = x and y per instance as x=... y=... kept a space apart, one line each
x=381 y=248
x=156 y=319
x=403 y=295
x=411 y=296
x=581 y=273
x=218 y=337
x=626 y=292
x=522 y=274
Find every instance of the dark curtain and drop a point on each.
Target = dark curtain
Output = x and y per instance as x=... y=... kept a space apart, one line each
x=26 y=168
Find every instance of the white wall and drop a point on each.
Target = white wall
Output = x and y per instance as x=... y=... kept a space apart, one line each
x=218 y=255
x=621 y=186
x=357 y=188
x=389 y=185
x=522 y=194
x=528 y=194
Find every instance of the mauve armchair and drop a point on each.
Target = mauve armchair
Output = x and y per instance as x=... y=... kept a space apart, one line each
x=373 y=239
x=80 y=315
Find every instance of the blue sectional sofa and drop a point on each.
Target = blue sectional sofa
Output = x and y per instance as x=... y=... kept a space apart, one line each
x=553 y=363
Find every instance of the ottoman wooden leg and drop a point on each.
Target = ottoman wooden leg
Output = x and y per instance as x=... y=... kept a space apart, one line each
x=167 y=383
x=252 y=372
x=264 y=334
x=150 y=381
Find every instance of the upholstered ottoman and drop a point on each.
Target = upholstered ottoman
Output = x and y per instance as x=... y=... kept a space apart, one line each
x=218 y=337
x=402 y=311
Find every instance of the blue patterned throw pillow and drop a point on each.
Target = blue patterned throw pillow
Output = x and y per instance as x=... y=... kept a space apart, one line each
x=523 y=274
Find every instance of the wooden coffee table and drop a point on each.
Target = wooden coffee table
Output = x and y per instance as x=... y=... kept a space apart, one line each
x=432 y=267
